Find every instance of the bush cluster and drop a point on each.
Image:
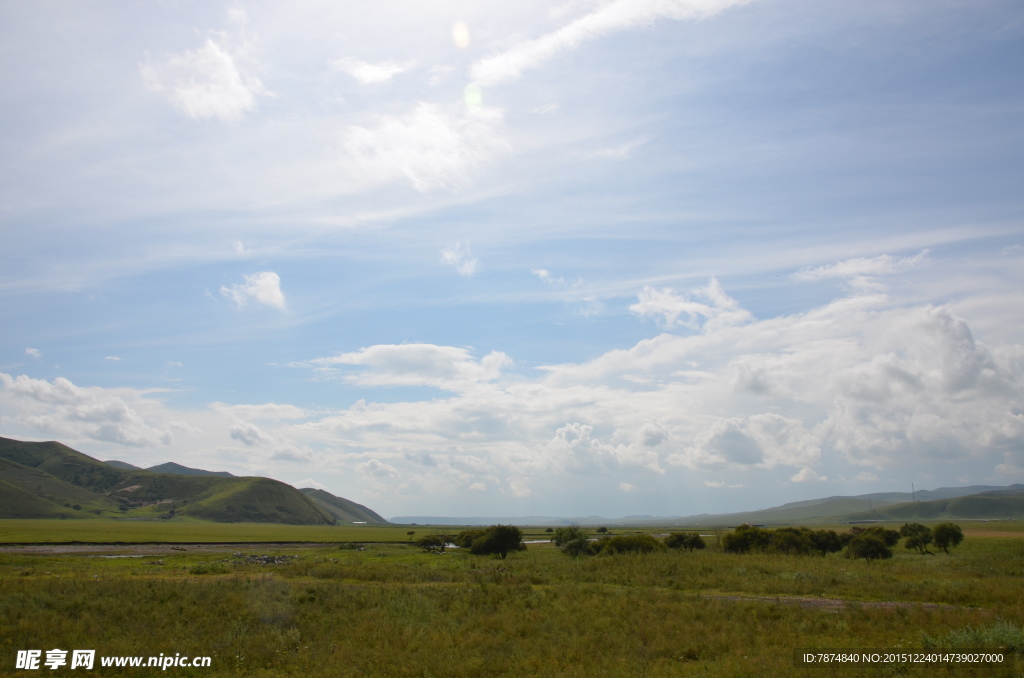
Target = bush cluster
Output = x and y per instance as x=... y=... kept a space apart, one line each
x=576 y=541
x=871 y=543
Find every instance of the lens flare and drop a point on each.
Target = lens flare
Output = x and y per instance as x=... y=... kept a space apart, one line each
x=473 y=95
x=460 y=34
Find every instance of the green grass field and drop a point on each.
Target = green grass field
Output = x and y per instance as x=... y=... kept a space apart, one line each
x=392 y=610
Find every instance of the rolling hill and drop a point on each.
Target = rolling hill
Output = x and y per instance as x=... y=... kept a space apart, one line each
x=1004 y=503
x=342 y=509
x=51 y=480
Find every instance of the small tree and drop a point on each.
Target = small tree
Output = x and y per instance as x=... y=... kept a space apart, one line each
x=498 y=540
x=550 y=530
x=917 y=537
x=602 y=530
x=946 y=535
x=869 y=547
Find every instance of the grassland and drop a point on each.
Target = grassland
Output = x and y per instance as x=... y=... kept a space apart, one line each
x=392 y=610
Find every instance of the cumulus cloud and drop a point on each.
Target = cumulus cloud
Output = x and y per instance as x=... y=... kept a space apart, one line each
x=248 y=434
x=760 y=441
x=709 y=304
x=63 y=409
x=210 y=81
x=431 y=148
x=859 y=381
x=375 y=467
x=446 y=367
x=368 y=73
x=461 y=258
x=33 y=353
x=263 y=288
x=607 y=19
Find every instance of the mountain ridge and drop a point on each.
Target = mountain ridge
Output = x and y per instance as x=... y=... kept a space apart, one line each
x=51 y=480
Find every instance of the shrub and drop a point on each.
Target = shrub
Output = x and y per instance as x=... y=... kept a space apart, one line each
x=564 y=535
x=790 y=540
x=825 y=542
x=684 y=540
x=581 y=547
x=868 y=546
x=432 y=542
x=746 y=538
x=466 y=537
x=631 y=543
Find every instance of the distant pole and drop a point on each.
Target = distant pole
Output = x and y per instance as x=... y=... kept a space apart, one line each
x=913 y=494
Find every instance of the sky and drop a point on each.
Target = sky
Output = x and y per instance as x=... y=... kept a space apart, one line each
x=593 y=257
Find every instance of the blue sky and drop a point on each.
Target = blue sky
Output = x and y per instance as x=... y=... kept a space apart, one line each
x=617 y=258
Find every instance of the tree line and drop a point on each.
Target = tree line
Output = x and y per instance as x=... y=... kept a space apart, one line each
x=871 y=543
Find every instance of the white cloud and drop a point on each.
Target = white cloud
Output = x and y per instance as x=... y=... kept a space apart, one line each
x=461 y=258
x=609 y=18
x=546 y=276
x=309 y=482
x=866 y=477
x=33 y=353
x=429 y=147
x=859 y=381
x=113 y=357
x=760 y=441
x=375 y=467
x=478 y=487
x=808 y=475
x=722 y=483
x=263 y=288
x=248 y=434
x=709 y=304
x=862 y=271
x=63 y=409
x=446 y=367
x=207 y=82
x=626 y=487
x=368 y=73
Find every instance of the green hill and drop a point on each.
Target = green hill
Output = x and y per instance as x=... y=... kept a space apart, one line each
x=986 y=505
x=171 y=467
x=48 y=480
x=342 y=509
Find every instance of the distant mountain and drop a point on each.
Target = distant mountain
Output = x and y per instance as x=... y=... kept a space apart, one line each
x=519 y=520
x=840 y=508
x=342 y=509
x=51 y=480
x=972 y=502
x=1002 y=503
x=123 y=465
x=178 y=469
